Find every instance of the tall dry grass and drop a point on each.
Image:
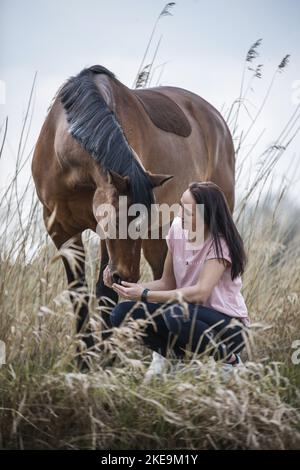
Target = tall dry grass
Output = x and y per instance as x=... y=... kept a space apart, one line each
x=47 y=403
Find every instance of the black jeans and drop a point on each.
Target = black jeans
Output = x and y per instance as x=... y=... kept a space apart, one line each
x=168 y=331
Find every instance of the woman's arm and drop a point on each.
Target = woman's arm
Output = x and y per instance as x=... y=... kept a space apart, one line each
x=198 y=293
x=167 y=280
x=212 y=271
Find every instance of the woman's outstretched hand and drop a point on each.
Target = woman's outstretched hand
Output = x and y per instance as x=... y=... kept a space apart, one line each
x=129 y=290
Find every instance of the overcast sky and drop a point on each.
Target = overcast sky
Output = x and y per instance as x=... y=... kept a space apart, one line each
x=204 y=44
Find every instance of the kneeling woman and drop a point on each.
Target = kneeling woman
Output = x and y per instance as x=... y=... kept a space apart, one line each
x=207 y=278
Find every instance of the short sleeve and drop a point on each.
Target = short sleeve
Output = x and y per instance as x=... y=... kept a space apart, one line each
x=212 y=253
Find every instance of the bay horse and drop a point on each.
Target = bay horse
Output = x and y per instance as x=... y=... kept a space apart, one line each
x=101 y=139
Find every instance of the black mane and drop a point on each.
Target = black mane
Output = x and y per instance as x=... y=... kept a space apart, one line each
x=95 y=126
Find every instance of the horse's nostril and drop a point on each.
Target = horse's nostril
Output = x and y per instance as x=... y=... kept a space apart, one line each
x=116 y=278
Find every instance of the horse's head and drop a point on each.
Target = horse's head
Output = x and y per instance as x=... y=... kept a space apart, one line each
x=122 y=224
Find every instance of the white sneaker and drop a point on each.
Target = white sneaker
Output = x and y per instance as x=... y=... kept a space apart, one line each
x=157 y=367
x=228 y=368
x=239 y=362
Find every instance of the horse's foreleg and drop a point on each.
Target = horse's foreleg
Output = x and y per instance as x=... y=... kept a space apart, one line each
x=107 y=296
x=155 y=251
x=74 y=264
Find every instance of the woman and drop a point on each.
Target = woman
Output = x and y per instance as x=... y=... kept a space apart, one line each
x=208 y=278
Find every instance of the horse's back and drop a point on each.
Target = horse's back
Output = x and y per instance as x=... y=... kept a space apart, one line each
x=209 y=150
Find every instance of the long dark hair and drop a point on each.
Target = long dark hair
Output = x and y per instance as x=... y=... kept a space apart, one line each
x=219 y=221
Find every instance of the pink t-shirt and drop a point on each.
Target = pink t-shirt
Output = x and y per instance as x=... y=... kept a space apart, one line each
x=226 y=295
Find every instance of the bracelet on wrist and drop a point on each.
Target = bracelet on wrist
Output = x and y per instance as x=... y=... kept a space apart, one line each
x=144 y=295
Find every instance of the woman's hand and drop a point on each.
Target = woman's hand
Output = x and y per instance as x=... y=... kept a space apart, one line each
x=107 y=278
x=129 y=290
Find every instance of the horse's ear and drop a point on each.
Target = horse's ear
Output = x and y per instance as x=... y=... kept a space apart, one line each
x=121 y=183
x=158 y=180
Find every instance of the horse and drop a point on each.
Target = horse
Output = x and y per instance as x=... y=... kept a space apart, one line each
x=101 y=139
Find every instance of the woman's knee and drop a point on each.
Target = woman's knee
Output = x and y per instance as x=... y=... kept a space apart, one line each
x=120 y=311
x=138 y=311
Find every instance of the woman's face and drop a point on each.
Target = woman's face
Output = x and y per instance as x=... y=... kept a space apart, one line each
x=187 y=211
